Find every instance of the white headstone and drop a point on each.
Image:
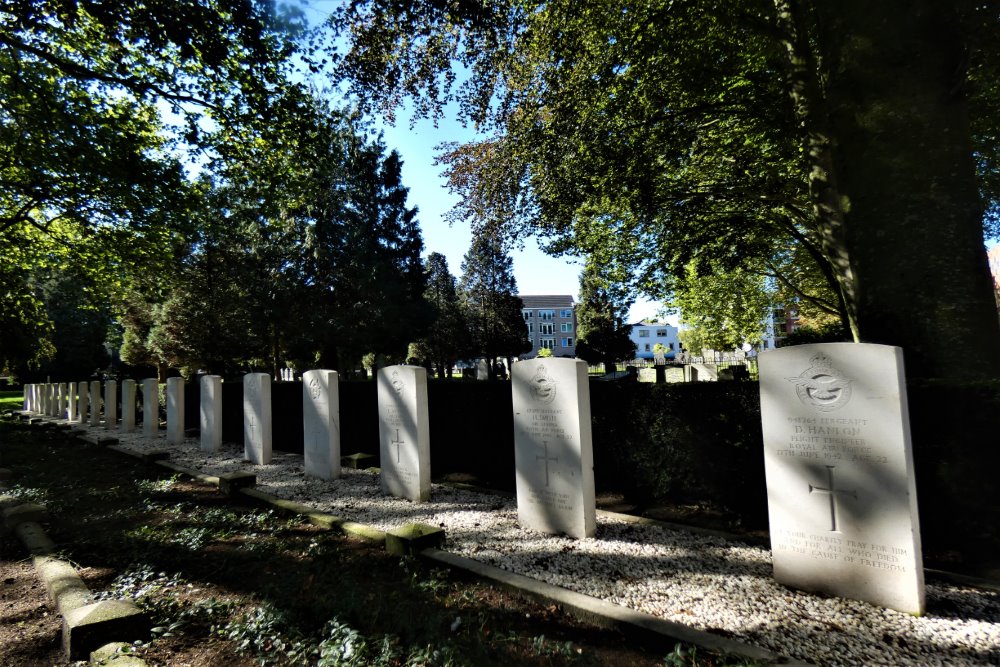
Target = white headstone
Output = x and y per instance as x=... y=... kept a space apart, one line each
x=95 y=402
x=404 y=432
x=553 y=451
x=321 y=423
x=257 y=418
x=150 y=407
x=482 y=370
x=111 y=404
x=71 y=402
x=128 y=406
x=841 y=493
x=83 y=401
x=50 y=399
x=175 y=410
x=211 y=413
x=61 y=400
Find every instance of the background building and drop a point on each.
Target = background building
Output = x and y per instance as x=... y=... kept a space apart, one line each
x=551 y=322
x=646 y=335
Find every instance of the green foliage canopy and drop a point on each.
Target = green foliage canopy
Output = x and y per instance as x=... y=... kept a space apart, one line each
x=722 y=135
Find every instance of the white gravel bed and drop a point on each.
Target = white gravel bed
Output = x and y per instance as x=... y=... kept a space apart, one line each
x=704 y=582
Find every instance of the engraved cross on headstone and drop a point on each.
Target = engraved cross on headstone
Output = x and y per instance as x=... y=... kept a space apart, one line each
x=396 y=442
x=545 y=457
x=832 y=491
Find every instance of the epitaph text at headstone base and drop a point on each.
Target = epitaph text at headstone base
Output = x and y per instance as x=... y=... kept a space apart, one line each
x=404 y=432
x=257 y=418
x=211 y=413
x=840 y=484
x=111 y=404
x=95 y=402
x=321 y=423
x=128 y=406
x=175 y=410
x=150 y=407
x=553 y=451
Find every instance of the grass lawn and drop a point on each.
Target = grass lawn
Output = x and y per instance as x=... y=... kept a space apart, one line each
x=11 y=400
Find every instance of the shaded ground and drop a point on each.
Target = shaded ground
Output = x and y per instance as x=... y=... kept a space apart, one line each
x=233 y=584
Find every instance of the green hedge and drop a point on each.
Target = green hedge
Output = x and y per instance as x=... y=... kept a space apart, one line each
x=956 y=451
x=696 y=442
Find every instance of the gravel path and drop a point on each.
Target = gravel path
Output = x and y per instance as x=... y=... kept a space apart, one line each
x=707 y=583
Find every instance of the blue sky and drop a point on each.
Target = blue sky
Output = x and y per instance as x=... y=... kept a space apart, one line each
x=535 y=272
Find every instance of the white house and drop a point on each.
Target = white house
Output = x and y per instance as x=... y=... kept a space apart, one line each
x=646 y=335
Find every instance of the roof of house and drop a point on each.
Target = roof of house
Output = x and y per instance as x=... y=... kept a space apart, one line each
x=647 y=323
x=547 y=300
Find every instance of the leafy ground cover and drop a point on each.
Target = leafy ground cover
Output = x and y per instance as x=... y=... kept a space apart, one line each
x=228 y=583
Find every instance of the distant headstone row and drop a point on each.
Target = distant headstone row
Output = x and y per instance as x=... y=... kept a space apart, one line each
x=552 y=443
x=837 y=454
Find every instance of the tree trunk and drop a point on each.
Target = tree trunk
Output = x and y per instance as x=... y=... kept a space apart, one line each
x=895 y=174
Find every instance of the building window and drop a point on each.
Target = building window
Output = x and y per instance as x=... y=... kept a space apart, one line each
x=527 y=315
x=644 y=333
x=546 y=314
x=646 y=349
x=567 y=342
x=671 y=346
x=531 y=327
x=661 y=333
x=546 y=328
x=566 y=327
x=566 y=313
x=547 y=343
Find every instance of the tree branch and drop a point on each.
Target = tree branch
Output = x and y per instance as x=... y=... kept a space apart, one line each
x=822 y=304
x=78 y=71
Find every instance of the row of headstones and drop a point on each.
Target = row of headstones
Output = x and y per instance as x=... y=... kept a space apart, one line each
x=82 y=402
x=553 y=453
x=837 y=453
x=837 y=456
